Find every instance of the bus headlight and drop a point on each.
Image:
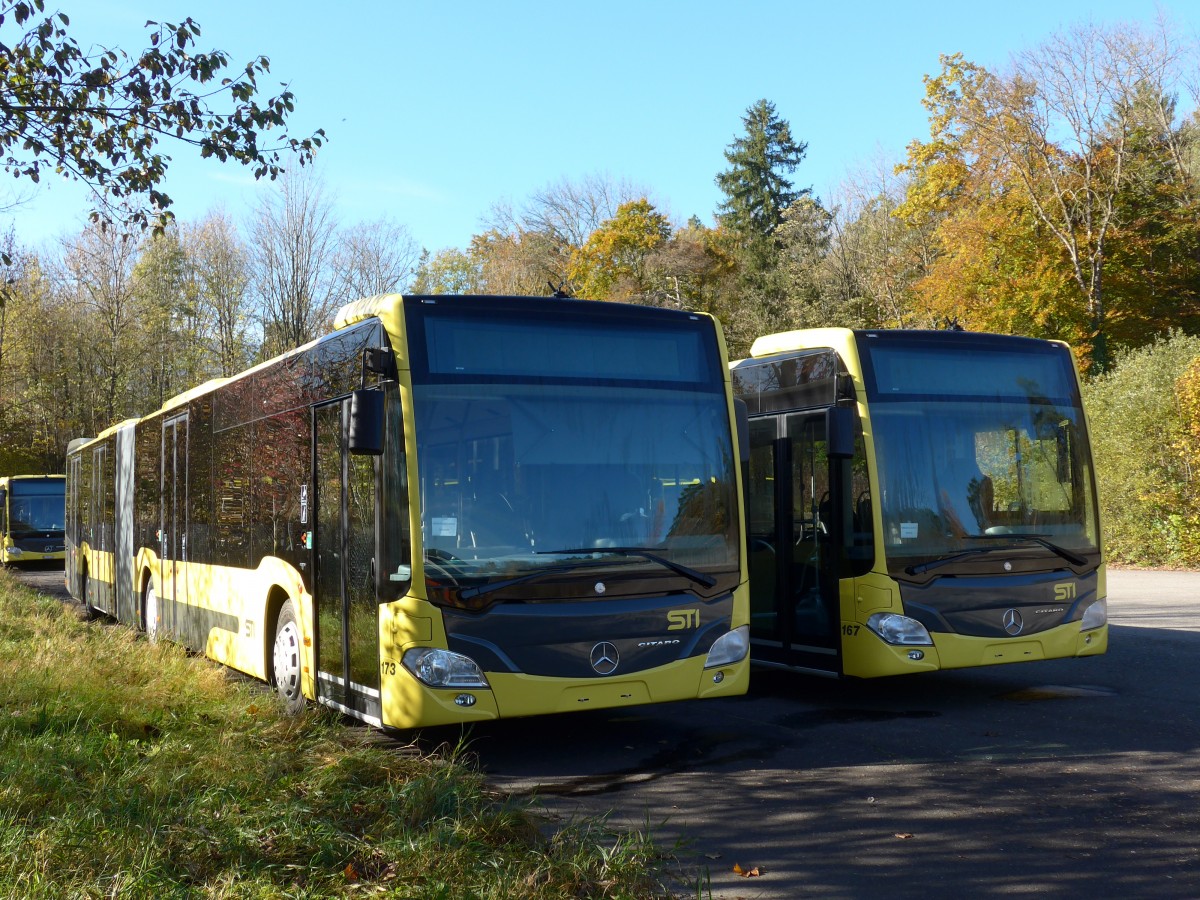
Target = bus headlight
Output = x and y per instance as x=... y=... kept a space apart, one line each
x=444 y=669
x=1095 y=615
x=729 y=648
x=897 y=629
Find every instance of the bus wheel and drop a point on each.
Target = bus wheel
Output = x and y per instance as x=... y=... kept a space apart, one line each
x=89 y=611
x=287 y=660
x=150 y=612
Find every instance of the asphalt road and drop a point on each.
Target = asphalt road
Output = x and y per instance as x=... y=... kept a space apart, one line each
x=1072 y=778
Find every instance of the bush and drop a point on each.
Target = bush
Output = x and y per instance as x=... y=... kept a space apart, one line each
x=1145 y=418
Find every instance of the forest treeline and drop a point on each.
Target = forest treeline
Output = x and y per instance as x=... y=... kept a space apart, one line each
x=1058 y=197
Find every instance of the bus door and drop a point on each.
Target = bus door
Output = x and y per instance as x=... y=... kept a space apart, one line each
x=100 y=575
x=72 y=509
x=347 y=614
x=794 y=608
x=173 y=532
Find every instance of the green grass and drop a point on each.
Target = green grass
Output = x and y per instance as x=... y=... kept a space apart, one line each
x=130 y=769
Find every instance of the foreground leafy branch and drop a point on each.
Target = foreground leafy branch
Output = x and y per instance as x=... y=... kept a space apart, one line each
x=99 y=117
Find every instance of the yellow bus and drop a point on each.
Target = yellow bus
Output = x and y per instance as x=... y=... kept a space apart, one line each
x=918 y=500
x=449 y=509
x=31 y=518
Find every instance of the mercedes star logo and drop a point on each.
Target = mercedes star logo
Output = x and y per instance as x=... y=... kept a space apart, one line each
x=605 y=658
x=1012 y=624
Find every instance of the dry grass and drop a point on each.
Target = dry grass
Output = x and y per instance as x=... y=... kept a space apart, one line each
x=130 y=769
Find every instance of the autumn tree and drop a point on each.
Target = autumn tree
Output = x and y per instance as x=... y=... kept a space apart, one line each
x=537 y=239
x=98 y=116
x=518 y=261
x=1060 y=131
x=687 y=271
x=611 y=265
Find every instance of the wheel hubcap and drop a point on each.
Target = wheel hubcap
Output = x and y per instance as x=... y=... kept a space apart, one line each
x=151 y=613
x=287 y=660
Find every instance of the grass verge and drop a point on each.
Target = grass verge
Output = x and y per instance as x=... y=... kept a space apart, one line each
x=130 y=769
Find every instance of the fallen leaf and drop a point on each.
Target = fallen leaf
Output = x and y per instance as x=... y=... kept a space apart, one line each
x=350 y=872
x=904 y=835
x=745 y=873
x=713 y=855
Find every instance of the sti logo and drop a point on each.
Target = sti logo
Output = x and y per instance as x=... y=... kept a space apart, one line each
x=681 y=619
x=1064 y=591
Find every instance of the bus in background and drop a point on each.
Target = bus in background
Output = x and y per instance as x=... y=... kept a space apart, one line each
x=918 y=500
x=31 y=518
x=450 y=509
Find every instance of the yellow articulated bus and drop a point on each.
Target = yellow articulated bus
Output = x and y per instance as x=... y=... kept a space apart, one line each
x=918 y=500
x=31 y=518
x=449 y=509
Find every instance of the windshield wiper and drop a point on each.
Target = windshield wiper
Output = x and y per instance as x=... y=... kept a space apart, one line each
x=678 y=568
x=946 y=560
x=1041 y=540
x=468 y=593
x=1071 y=557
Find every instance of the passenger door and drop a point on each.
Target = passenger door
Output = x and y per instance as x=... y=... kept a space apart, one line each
x=347 y=612
x=173 y=532
x=794 y=606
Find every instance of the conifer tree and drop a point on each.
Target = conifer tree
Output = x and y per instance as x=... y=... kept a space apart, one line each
x=756 y=184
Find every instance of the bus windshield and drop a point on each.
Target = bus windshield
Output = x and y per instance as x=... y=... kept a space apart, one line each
x=979 y=444
x=537 y=481
x=35 y=506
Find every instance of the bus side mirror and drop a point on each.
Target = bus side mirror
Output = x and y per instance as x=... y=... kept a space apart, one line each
x=366 y=422
x=741 y=414
x=839 y=432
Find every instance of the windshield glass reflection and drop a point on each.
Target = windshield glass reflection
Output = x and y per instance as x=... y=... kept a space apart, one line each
x=953 y=472
x=36 y=507
x=518 y=479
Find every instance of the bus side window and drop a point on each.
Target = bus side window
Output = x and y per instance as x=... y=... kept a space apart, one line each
x=395 y=540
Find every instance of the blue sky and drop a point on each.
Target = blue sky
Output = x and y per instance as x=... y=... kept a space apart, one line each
x=436 y=111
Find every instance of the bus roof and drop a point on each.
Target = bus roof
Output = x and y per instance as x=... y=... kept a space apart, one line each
x=807 y=338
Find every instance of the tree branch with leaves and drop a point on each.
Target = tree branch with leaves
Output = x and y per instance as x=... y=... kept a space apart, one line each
x=101 y=117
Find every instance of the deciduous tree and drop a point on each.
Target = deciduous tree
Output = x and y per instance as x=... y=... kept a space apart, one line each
x=220 y=262
x=97 y=279
x=611 y=265
x=376 y=257
x=294 y=243
x=1059 y=130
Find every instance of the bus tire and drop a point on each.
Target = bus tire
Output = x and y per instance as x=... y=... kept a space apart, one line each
x=150 y=612
x=286 y=667
x=89 y=611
